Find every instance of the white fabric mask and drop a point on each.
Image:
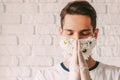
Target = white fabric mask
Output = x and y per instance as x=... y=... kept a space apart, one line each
x=68 y=44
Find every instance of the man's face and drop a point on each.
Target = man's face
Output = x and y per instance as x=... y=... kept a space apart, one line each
x=77 y=27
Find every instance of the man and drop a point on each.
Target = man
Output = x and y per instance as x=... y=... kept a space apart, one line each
x=79 y=33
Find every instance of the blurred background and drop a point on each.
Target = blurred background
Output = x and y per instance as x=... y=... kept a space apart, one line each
x=29 y=39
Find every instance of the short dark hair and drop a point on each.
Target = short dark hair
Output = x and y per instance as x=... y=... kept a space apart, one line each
x=79 y=8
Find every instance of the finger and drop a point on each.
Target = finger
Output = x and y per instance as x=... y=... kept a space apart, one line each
x=76 y=52
x=74 y=59
x=84 y=72
x=81 y=59
x=80 y=56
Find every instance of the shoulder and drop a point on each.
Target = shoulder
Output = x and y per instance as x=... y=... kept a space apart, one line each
x=109 y=67
x=105 y=72
x=109 y=70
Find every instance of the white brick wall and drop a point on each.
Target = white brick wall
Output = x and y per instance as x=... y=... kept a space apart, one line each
x=8 y=61
x=15 y=71
x=15 y=50
x=8 y=40
x=9 y=19
x=35 y=61
x=12 y=1
x=29 y=38
x=37 y=19
x=17 y=29
x=21 y=8
x=1 y=8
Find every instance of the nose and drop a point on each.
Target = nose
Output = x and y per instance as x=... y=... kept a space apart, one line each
x=76 y=36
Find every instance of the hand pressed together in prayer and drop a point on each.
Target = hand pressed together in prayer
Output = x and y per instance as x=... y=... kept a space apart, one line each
x=77 y=65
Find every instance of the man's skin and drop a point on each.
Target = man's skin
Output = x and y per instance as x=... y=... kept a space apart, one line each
x=78 y=27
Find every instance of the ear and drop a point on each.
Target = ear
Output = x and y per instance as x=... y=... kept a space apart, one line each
x=95 y=34
x=60 y=31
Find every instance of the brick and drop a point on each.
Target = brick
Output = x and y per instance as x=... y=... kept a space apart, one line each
x=8 y=40
x=100 y=41
x=47 y=39
x=35 y=40
x=56 y=40
x=17 y=29
x=111 y=30
x=112 y=1
x=96 y=52
x=46 y=50
x=37 y=1
x=36 y=70
x=8 y=78
x=24 y=78
x=110 y=51
x=99 y=1
x=108 y=19
x=106 y=51
x=46 y=29
x=12 y=1
x=30 y=40
x=113 y=9
x=37 y=18
x=14 y=72
x=63 y=1
x=48 y=1
x=21 y=8
x=36 y=61
x=0 y=29
x=50 y=8
x=108 y=40
x=100 y=8
x=116 y=51
x=57 y=19
x=8 y=61
x=8 y=18
x=71 y=0
x=1 y=8
x=110 y=60
x=31 y=1
x=19 y=50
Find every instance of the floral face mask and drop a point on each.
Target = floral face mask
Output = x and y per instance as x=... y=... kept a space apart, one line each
x=68 y=45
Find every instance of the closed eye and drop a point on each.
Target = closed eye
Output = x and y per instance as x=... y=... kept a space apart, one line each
x=85 y=32
x=68 y=32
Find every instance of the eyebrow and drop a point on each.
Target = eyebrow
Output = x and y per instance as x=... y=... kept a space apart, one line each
x=68 y=29
x=86 y=30
x=80 y=31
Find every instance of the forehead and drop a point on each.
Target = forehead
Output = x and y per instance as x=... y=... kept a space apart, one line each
x=77 y=22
